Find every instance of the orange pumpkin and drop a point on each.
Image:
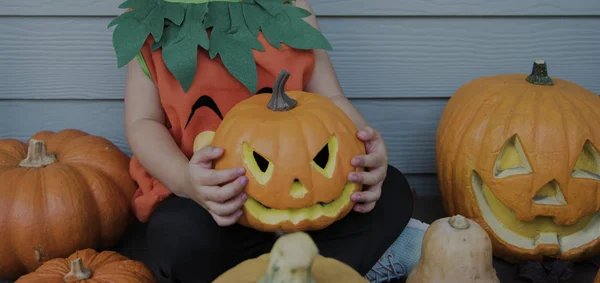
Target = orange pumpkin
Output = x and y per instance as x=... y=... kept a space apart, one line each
x=296 y=148
x=90 y=266
x=519 y=154
x=59 y=193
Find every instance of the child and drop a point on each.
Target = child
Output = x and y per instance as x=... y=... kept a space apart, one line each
x=179 y=87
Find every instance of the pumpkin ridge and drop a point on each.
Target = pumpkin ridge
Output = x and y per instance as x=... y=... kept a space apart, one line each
x=455 y=107
x=110 y=271
x=11 y=152
x=460 y=139
x=458 y=105
x=10 y=211
x=77 y=184
x=506 y=124
x=565 y=128
x=581 y=118
x=591 y=109
x=340 y=164
x=92 y=175
x=309 y=186
x=102 y=169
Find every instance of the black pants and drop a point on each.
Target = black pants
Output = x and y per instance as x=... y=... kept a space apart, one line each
x=188 y=246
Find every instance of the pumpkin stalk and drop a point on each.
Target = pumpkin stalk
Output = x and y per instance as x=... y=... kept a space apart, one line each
x=37 y=155
x=458 y=222
x=78 y=270
x=280 y=101
x=539 y=74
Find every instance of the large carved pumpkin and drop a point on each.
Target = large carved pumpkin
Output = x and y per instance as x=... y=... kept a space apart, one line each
x=90 y=266
x=59 y=193
x=296 y=148
x=519 y=155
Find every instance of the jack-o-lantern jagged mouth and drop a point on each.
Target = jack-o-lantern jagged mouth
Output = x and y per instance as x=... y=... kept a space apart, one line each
x=502 y=220
x=274 y=216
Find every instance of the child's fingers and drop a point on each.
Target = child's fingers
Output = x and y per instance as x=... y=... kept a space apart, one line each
x=206 y=154
x=228 y=207
x=364 y=207
x=371 y=195
x=217 y=177
x=228 y=191
x=368 y=177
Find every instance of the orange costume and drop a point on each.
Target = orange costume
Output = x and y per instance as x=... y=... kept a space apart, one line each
x=235 y=57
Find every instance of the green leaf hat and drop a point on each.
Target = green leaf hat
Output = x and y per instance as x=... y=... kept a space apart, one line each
x=179 y=27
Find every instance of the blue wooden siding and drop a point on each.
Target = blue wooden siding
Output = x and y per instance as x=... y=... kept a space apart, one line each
x=398 y=61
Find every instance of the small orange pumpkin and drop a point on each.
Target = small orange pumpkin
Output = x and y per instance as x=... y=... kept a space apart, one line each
x=519 y=154
x=59 y=193
x=296 y=148
x=90 y=266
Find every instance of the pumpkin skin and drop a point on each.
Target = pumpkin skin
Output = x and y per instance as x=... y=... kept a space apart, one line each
x=296 y=148
x=455 y=249
x=294 y=258
x=519 y=155
x=76 y=185
x=90 y=266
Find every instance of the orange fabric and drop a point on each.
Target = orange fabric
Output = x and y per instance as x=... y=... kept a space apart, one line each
x=213 y=80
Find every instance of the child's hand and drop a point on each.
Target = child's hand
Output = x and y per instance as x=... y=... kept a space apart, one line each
x=375 y=163
x=220 y=192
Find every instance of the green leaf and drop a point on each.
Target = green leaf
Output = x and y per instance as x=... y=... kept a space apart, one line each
x=133 y=4
x=289 y=28
x=128 y=38
x=273 y=7
x=180 y=45
x=174 y=12
x=233 y=41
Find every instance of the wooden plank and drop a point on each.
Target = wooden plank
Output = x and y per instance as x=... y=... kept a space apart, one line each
x=337 y=7
x=408 y=126
x=374 y=57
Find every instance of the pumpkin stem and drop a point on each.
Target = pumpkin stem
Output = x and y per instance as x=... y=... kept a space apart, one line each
x=539 y=74
x=78 y=270
x=280 y=101
x=458 y=222
x=37 y=156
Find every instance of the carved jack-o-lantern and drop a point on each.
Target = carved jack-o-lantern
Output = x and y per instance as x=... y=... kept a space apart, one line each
x=296 y=148
x=520 y=155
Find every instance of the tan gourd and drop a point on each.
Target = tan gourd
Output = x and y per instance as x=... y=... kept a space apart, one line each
x=455 y=250
x=294 y=258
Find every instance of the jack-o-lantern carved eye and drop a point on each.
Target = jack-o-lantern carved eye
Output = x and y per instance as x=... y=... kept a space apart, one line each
x=259 y=166
x=511 y=160
x=588 y=163
x=324 y=161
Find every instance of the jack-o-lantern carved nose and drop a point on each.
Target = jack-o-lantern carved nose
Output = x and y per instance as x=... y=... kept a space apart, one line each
x=298 y=190
x=550 y=194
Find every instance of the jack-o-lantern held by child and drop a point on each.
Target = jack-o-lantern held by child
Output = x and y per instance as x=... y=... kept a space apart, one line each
x=519 y=154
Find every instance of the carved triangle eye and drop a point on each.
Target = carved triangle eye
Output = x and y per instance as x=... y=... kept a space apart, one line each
x=588 y=163
x=550 y=194
x=511 y=160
